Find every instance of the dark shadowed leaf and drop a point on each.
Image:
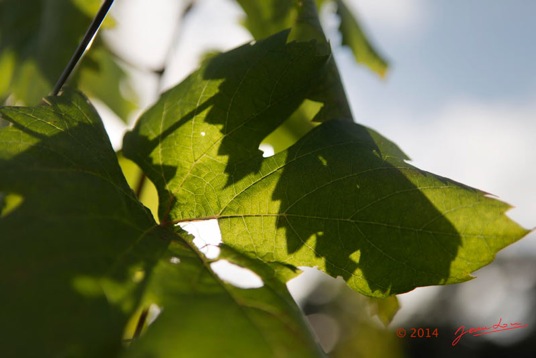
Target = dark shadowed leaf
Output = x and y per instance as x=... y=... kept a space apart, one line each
x=39 y=37
x=203 y=316
x=302 y=18
x=74 y=240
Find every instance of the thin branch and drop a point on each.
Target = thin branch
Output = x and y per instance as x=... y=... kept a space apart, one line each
x=141 y=323
x=140 y=184
x=82 y=47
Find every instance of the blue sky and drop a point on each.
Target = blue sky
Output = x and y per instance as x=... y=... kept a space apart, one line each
x=482 y=49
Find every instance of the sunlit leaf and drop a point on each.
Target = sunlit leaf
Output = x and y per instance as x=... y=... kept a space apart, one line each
x=235 y=99
x=364 y=217
x=342 y=198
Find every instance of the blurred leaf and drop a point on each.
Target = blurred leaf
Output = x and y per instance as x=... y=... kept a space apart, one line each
x=354 y=37
x=72 y=236
x=265 y=18
x=37 y=39
x=385 y=308
x=146 y=191
x=102 y=77
x=295 y=127
x=7 y=67
x=90 y=8
x=203 y=316
x=344 y=321
x=342 y=198
x=41 y=35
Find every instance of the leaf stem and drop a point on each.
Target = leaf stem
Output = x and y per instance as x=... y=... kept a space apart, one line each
x=140 y=184
x=141 y=323
x=83 y=46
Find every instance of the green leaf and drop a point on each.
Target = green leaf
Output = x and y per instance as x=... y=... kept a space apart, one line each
x=265 y=18
x=384 y=226
x=235 y=99
x=102 y=77
x=37 y=39
x=302 y=18
x=385 y=308
x=42 y=36
x=342 y=198
x=144 y=189
x=354 y=37
x=80 y=255
x=203 y=316
x=73 y=237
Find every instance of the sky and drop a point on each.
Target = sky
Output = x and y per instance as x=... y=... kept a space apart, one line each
x=459 y=98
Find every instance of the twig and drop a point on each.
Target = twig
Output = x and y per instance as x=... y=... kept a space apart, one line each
x=141 y=323
x=88 y=37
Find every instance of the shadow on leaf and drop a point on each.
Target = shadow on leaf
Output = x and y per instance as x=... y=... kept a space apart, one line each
x=343 y=202
x=74 y=251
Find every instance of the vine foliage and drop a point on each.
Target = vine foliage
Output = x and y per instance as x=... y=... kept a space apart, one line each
x=82 y=258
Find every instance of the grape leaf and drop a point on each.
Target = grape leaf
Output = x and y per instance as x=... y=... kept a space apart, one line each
x=302 y=18
x=79 y=256
x=235 y=99
x=265 y=18
x=342 y=198
x=74 y=241
x=204 y=316
x=354 y=37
